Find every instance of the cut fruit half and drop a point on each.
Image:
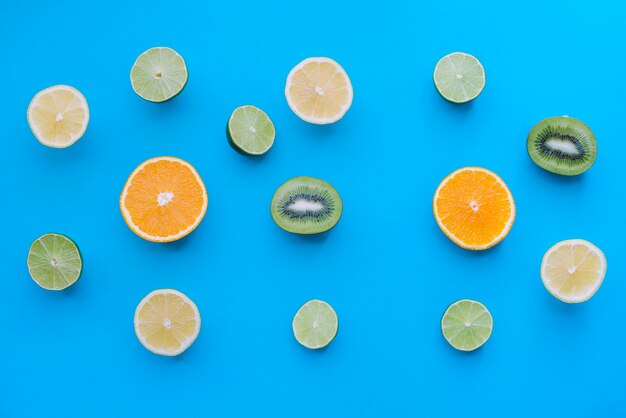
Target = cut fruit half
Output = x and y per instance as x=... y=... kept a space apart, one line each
x=167 y=322
x=573 y=270
x=306 y=205
x=58 y=116
x=164 y=199
x=466 y=325
x=319 y=91
x=159 y=74
x=562 y=145
x=54 y=262
x=250 y=131
x=315 y=324
x=459 y=77
x=474 y=208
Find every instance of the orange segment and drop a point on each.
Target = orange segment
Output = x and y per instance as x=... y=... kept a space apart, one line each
x=474 y=208
x=164 y=199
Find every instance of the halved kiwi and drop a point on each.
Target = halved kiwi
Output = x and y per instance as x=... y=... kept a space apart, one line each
x=562 y=145
x=306 y=205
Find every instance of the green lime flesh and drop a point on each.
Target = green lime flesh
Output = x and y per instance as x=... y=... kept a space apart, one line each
x=466 y=325
x=306 y=205
x=315 y=324
x=562 y=145
x=54 y=262
x=250 y=131
x=459 y=77
x=159 y=74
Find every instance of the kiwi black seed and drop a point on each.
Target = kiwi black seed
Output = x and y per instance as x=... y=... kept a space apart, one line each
x=306 y=205
x=562 y=145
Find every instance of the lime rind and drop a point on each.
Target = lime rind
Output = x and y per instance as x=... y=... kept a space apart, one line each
x=250 y=131
x=159 y=74
x=54 y=262
x=466 y=325
x=459 y=77
x=315 y=324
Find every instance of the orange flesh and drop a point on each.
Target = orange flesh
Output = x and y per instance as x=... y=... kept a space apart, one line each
x=168 y=179
x=474 y=207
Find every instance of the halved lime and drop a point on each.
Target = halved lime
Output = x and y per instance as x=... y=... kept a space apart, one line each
x=250 y=131
x=315 y=324
x=54 y=262
x=459 y=77
x=466 y=324
x=159 y=74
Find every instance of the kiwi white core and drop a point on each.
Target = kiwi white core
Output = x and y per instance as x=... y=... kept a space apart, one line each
x=303 y=205
x=567 y=147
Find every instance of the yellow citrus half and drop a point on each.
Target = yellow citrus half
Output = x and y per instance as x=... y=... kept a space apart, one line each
x=58 y=116
x=319 y=91
x=164 y=199
x=167 y=322
x=573 y=270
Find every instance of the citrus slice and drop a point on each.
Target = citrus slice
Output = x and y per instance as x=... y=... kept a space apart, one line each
x=58 y=116
x=159 y=74
x=474 y=208
x=459 y=77
x=167 y=322
x=164 y=199
x=319 y=91
x=573 y=270
x=315 y=324
x=250 y=131
x=54 y=262
x=466 y=324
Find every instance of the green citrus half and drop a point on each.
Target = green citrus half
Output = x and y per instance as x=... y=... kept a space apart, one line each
x=159 y=74
x=315 y=324
x=250 y=131
x=466 y=324
x=459 y=77
x=54 y=262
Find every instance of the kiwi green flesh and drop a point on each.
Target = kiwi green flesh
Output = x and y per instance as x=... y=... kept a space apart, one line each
x=306 y=205
x=562 y=145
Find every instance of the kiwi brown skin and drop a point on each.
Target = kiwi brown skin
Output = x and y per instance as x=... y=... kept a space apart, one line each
x=568 y=130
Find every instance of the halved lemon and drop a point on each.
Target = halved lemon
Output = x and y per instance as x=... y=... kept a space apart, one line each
x=167 y=322
x=164 y=199
x=474 y=208
x=58 y=116
x=573 y=270
x=319 y=91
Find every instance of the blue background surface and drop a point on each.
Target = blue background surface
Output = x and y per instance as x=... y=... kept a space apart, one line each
x=387 y=269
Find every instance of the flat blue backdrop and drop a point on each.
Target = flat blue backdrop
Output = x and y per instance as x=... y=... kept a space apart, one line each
x=387 y=269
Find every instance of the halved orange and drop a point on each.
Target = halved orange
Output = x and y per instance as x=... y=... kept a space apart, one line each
x=164 y=199
x=474 y=208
